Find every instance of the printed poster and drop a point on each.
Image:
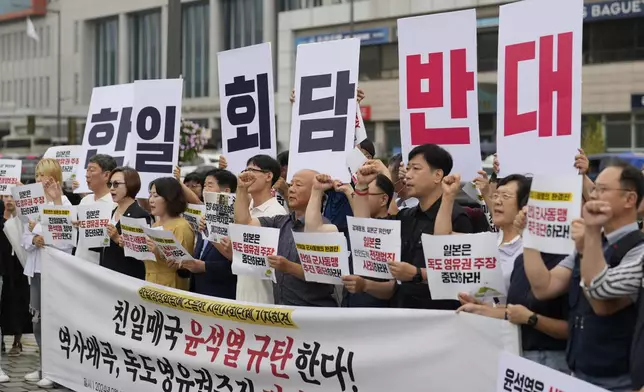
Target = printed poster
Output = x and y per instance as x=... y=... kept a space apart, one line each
x=374 y=242
x=68 y=158
x=251 y=246
x=28 y=199
x=220 y=212
x=58 y=229
x=193 y=214
x=134 y=238
x=92 y=225
x=168 y=245
x=323 y=256
x=10 y=172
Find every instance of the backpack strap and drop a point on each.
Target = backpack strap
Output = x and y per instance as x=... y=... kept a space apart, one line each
x=623 y=246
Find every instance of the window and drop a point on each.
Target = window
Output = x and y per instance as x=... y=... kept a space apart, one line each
x=145 y=46
x=47 y=41
x=392 y=136
x=17 y=143
x=33 y=92
x=47 y=91
x=618 y=130
x=41 y=85
x=613 y=40
x=487 y=48
x=370 y=129
x=246 y=23
x=639 y=130
x=76 y=83
x=105 y=52
x=194 y=49
x=379 y=62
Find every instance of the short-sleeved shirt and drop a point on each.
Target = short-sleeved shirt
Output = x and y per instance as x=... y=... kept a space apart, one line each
x=291 y=290
x=414 y=222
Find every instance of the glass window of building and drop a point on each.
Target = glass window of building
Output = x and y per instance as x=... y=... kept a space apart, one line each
x=144 y=43
x=392 y=137
x=379 y=62
x=194 y=49
x=105 y=51
x=613 y=40
x=487 y=47
x=618 y=130
x=245 y=23
x=639 y=130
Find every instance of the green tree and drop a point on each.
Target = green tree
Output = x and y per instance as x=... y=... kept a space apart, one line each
x=592 y=137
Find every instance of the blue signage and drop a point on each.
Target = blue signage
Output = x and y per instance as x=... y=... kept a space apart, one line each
x=375 y=36
x=613 y=10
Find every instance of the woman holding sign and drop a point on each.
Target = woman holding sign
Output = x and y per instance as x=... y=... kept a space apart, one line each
x=124 y=184
x=50 y=175
x=167 y=203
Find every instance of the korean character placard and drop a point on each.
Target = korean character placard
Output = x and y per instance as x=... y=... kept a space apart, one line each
x=57 y=225
x=555 y=201
x=193 y=214
x=374 y=242
x=68 y=157
x=28 y=199
x=438 y=86
x=155 y=124
x=92 y=225
x=10 y=171
x=251 y=247
x=134 y=238
x=324 y=256
x=107 y=129
x=220 y=212
x=324 y=112
x=539 y=86
x=519 y=374
x=247 y=104
x=463 y=263
x=168 y=245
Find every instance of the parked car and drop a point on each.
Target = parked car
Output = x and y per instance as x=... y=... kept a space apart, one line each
x=29 y=163
x=204 y=162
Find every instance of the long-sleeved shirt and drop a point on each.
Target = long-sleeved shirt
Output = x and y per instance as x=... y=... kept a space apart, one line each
x=33 y=252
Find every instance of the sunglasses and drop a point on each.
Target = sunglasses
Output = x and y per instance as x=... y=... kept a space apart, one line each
x=114 y=184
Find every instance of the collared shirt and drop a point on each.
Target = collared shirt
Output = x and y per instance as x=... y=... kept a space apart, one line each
x=290 y=290
x=85 y=253
x=508 y=252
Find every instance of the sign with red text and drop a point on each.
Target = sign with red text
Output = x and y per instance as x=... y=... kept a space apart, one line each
x=134 y=239
x=374 y=242
x=438 y=86
x=555 y=201
x=519 y=374
x=29 y=199
x=131 y=335
x=92 y=225
x=251 y=246
x=463 y=263
x=193 y=214
x=539 y=86
x=10 y=172
x=68 y=158
x=324 y=111
x=220 y=212
x=167 y=245
x=324 y=256
x=58 y=229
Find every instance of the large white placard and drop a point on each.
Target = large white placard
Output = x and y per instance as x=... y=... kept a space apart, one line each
x=10 y=171
x=438 y=87
x=539 y=86
x=68 y=157
x=58 y=229
x=324 y=256
x=155 y=129
x=28 y=199
x=134 y=238
x=251 y=246
x=168 y=246
x=107 y=129
x=92 y=225
x=247 y=104
x=555 y=201
x=463 y=263
x=374 y=242
x=220 y=212
x=324 y=112
x=179 y=338
x=519 y=374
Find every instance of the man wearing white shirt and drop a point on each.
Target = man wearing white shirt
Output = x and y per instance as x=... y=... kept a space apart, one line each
x=98 y=173
x=266 y=171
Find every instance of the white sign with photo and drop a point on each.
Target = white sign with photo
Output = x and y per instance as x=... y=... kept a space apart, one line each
x=220 y=212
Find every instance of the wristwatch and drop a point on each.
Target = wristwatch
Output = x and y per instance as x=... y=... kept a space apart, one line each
x=533 y=320
x=418 y=278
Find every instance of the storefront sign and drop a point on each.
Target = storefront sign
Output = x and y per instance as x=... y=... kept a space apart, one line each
x=613 y=10
x=375 y=36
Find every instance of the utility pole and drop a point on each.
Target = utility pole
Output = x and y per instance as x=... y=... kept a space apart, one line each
x=173 y=61
x=351 y=16
x=59 y=71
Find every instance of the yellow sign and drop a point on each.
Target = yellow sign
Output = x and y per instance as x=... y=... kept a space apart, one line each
x=550 y=196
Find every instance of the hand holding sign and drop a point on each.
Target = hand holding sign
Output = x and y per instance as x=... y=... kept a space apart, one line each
x=360 y=95
x=518 y=314
x=596 y=213
x=195 y=266
x=451 y=185
x=152 y=247
x=322 y=182
x=520 y=220
x=354 y=284
x=245 y=180
x=577 y=231
x=581 y=162
x=113 y=233
x=39 y=241
x=482 y=183
x=280 y=263
x=402 y=271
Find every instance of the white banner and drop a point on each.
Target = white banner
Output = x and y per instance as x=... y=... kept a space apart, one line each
x=28 y=200
x=361 y=131
x=58 y=229
x=193 y=214
x=156 y=129
x=324 y=112
x=519 y=374
x=168 y=245
x=539 y=86
x=10 y=172
x=152 y=338
x=134 y=238
x=69 y=159
x=247 y=104
x=438 y=87
x=374 y=242
x=107 y=129
x=555 y=201
x=220 y=213
x=463 y=262
x=92 y=225
x=324 y=256
x=251 y=245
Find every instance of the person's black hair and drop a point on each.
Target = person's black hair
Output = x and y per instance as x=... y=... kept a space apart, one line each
x=384 y=183
x=282 y=158
x=435 y=156
x=523 y=187
x=631 y=178
x=171 y=191
x=267 y=164
x=106 y=162
x=368 y=146
x=224 y=179
x=195 y=177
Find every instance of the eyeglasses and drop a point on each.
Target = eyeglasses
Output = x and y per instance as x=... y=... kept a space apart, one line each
x=504 y=196
x=253 y=170
x=600 y=189
x=114 y=184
